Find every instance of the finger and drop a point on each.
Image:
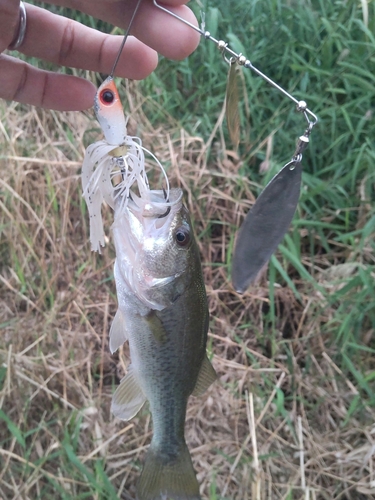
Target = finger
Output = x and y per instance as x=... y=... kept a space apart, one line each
x=157 y=29
x=23 y=83
x=8 y=22
x=74 y=45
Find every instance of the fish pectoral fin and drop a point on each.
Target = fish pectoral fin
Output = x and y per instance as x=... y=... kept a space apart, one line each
x=156 y=327
x=174 y=479
x=117 y=333
x=206 y=377
x=128 y=398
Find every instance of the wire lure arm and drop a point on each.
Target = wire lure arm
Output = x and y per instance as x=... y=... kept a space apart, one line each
x=125 y=38
x=246 y=63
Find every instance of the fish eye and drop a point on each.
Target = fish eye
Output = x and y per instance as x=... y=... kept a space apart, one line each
x=182 y=236
x=107 y=96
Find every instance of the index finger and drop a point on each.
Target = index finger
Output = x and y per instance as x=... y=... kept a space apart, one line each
x=157 y=29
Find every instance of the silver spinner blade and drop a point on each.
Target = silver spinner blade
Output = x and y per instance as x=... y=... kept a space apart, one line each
x=265 y=225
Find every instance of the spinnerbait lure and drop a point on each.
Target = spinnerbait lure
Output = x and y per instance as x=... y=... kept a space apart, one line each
x=267 y=222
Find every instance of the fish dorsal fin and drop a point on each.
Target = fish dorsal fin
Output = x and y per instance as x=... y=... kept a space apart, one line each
x=117 y=333
x=206 y=377
x=128 y=398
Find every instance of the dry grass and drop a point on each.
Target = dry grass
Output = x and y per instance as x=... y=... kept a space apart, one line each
x=276 y=425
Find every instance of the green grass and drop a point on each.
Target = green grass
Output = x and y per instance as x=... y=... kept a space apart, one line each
x=311 y=316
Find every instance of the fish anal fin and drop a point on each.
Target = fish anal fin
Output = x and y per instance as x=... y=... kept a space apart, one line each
x=128 y=398
x=117 y=333
x=206 y=377
x=174 y=480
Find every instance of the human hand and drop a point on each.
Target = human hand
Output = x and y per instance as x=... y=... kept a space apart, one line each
x=68 y=43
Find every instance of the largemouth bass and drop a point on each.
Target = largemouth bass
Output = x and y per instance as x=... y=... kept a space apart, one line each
x=163 y=313
x=162 y=304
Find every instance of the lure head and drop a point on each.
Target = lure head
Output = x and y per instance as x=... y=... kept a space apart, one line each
x=109 y=112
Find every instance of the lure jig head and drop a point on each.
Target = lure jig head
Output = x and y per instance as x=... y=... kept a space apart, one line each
x=109 y=112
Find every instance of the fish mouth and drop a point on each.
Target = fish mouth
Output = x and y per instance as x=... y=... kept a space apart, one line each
x=143 y=221
x=146 y=215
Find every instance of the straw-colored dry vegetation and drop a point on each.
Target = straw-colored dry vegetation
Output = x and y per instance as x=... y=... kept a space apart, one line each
x=292 y=415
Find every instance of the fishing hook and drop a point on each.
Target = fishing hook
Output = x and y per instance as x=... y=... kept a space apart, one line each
x=166 y=197
x=240 y=59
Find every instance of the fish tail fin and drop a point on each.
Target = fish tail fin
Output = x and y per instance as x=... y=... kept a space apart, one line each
x=174 y=480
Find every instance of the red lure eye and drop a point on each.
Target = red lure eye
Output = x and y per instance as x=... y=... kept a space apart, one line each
x=107 y=96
